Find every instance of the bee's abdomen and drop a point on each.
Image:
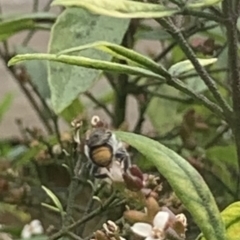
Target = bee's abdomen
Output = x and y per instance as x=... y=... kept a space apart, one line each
x=102 y=156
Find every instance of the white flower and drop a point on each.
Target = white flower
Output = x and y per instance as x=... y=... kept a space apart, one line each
x=33 y=228
x=155 y=232
x=114 y=172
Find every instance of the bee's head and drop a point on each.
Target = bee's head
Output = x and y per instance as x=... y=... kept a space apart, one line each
x=98 y=137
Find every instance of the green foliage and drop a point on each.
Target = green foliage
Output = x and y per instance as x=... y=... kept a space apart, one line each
x=67 y=82
x=160 y=111
x=186 y=65
x=122 y=9
x=11 y=25
x=72 y=111
x=131 y=9
x=224 y=164
x=122 y=53
x=231 y=219
x=37 y=70
x=185 y=181
x=85 y=62
x=54 y=198
x=5 y=104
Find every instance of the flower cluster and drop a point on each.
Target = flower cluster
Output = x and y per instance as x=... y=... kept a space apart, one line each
x=157 y=223
x=111 y=161
x=33 y=228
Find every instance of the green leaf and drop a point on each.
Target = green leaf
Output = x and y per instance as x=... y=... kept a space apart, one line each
x=50 y=207
x=149 y=33
x=123 y=53
x=186 y=65
x=224 y=163
x=54 y=198
x=231 y=219
x=85 y=62
x=202 y=3
x=5 y=104
x=77 y=27
x=72 y=111
x=161 y=110
x=121 y=8
x=11 y=25
x=186 y=182
x=37 y=70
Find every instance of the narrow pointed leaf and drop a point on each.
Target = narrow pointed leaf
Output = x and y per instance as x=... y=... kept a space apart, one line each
x=186 y=65
x=11 y=25
x=121 y=8
x=53 y=198
x=85 y=62
x=123 y=53
x=74 y=27
x=203 y=3
x=186 y=182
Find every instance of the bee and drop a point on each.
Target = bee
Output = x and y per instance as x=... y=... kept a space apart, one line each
x=102 y=148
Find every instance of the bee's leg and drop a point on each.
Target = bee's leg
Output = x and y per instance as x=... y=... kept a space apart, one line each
x=123 y=157
x=100 y=175
x=126 y=162
x=94 y=172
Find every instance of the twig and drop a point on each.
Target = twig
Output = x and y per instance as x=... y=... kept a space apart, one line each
x=215 y=138
x=202 y=14
x=32 y=102
x=54 y=117
x=98 y=103
x=90 y=205
x=35 y=9
x=198 y=97
x=233 y=65
x=142 y=106
x=170 y=98
x=210 y=71
x=111 y=81
x=178 y=36
x=84 y=219
x=191 y=31
x=70 y=202
x=73 y=236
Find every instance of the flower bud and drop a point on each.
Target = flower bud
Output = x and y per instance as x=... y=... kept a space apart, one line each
x=111 y=228
x=134 y=216
x=99 y=235
x=152 y=207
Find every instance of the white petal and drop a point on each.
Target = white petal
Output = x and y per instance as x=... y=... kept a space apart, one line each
x=35 y=223
x=116 y=172
x=160 y=220
x=142 y=229
x=38 y=229
x=26 y=232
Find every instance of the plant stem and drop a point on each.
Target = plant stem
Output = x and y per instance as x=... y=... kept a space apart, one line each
x=198 y=97
x=84 y=219
x=191 y=31
x=33 y=103
x=170 y=98
x=234 y=74
x=120 y=101
x=205 y=15
x=178 y=36
x=98 y=103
